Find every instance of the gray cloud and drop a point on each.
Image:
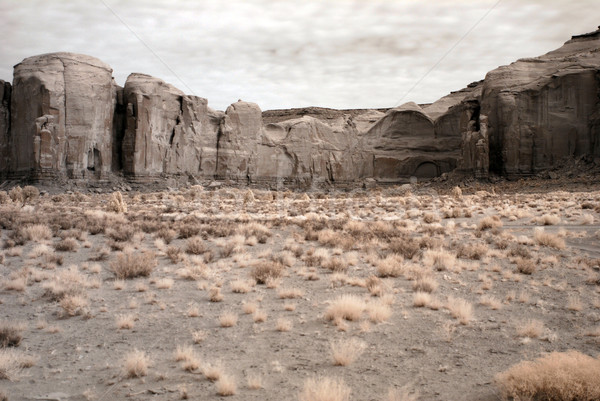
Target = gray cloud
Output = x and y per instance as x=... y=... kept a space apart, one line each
x=291 y=53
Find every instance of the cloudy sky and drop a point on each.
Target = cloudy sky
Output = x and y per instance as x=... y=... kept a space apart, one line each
x=294 y=53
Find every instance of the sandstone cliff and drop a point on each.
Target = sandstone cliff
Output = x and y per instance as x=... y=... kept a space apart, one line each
x=64 y=116
x=61 y=117
x=543 y=109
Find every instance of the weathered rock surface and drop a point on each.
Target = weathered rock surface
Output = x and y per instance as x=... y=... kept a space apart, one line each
x=61 y=116
x=5 y=91
x=166 y=131
x=545 y=108
x=65 y=116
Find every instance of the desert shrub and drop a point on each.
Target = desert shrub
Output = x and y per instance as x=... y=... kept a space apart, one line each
x=265 y=270
x=335 y=264
x=188 y=230
x=10 y=334
x=4 y=197
x=260 y=231
x=407 y=247
x=489 y=222
x=195 y=245
x=390 y=266
x=548 y=220
x=547 y=239
x=345 y=307
x=344 y=352
x=16 y=194
x=472 y=251
x=166 y=234
x=135 y=364
x=440 y=260
x=526 y=266
x=460 y=309
x=520 y=251
x=36 y=232
x=324 y=389
x=30 y=193
x=131 y=264
x=557 y=376
x=66 y=245
x=120 y=232
x=116 y=203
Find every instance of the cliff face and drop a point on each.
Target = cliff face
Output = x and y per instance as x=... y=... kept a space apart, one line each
x=543 y=109
x=62 y=109
x=64 y=116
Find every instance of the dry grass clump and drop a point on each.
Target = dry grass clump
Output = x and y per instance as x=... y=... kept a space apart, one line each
x=116 y=204
x=425 y=283
x=390 y=266
x=547 y=220
x=526 y=266
x=74 y=305
x=214 y=294
x=324 y=389
x=440 y=259
x=228 y=319
x=574 y=303
x=10 y=334
x=547 y=239
x=131 y=264
x=12 y=362
x=491 y=302
x=557 y=376
x=36 y=232
x=240 y=286
x=531 y=328
x=335 y=264
x=226 y=385
x=379 y=311
x=254 y=381
x=283 y=324
x=489 y=222
x=258 y=230
x=407 y=247
x=135 y=364
x=472 y=251
x=67 y=245
x=195 y=245
x=460 y=309
x=421 y=299
x=345 y=307
x=126 y=321
x=265 y=270
x=346 y=351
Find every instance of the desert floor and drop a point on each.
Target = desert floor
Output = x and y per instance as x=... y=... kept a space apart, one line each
x=426 y=293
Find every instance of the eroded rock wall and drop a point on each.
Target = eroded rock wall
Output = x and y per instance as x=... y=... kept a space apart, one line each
x=61 y=117
x=5 y=93
x=166 y=131
x=544 y=109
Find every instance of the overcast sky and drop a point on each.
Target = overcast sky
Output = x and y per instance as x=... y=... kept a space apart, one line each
x=294 y=53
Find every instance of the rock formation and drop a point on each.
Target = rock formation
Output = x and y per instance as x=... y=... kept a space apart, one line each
x=166 y=131
x=61 y=117
x=64 y=116
x=543 y=109
x=5 y=92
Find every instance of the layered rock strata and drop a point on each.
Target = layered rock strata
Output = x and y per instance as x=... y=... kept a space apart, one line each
x=64 y=116
x=62 y=109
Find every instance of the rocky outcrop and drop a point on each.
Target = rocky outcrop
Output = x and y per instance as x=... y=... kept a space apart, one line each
x=166 y=131
x=65 y=116
x=403 y=143
x=61 y=117
x=5 y=91
x=543 y=109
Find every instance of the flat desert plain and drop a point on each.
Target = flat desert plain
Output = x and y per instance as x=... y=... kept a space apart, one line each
x=395 y=293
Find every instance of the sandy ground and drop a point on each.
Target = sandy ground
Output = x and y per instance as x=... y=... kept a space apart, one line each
x=78 y=352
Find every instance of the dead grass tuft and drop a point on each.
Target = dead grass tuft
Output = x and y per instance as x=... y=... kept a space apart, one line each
x=345 y=307
x=324 y=389
x=131 y=264
x=135 y=364
x=346 y=351
x=557 y=376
